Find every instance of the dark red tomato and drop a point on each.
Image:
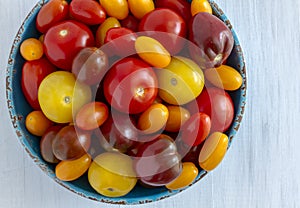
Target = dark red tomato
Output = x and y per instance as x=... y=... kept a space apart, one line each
x=218 y=105
x=63 y=41
x=188 y=153
x=118 y=132
x=196 y=129
x=51 y=13
x=70 y=143
x=157 y=163
x=46 y=144
x=131 y=23
x=91 y=116
x=90 y=65
x=33 y=73
x=89 y=12
x=213 y=40
x=181 y=7
x=121 y=40
x=130 y=86
x=169 y=27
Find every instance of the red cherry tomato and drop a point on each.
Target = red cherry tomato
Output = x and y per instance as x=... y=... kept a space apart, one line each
x=91 y=116
x=181 y=7
x=90 y=65
x=188 y=153
x=118 y=132
x=196 y=129
x=130 y=86
x=51 y=13
x=158 y=162
x=46 y=144
x=70 y=143
x=121 y=41
x=63 y=41
x=33 y=73
x=89 y=12
x=218 y=105
x=170 y=26
x=131 y=23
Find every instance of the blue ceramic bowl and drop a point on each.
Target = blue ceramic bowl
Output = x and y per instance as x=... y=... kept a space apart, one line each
x=19 y=108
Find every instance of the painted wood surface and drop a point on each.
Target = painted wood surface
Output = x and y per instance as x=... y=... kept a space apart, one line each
x=260 y=170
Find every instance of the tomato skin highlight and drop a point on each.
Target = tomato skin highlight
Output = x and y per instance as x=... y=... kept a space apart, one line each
x=130 y=86
x=63 y=41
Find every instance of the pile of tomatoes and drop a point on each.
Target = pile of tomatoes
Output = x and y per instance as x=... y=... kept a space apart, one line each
x=129 y=91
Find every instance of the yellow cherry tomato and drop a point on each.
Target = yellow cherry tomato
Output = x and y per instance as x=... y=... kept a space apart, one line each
x=60 y=96
x=213 y=151
x=104 y=27
x=72 y=169
x=152 y=52
x=153 y=119
x=140 y=7
x=188 y=174
x=37 y=123
x=181 y=81
x=116 y=8
x=31 y=49
x=111 y=174
x=224 y=77
x=177 y=117
x=200 y=6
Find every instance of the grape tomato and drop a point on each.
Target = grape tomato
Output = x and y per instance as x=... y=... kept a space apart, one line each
x=53 y=12
x=88 y=12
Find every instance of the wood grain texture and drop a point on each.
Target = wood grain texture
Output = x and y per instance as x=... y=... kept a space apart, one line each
x=262 y=167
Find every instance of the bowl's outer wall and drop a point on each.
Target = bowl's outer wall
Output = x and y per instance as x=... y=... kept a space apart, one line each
x=19 y=108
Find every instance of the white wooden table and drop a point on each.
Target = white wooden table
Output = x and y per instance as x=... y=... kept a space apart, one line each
x=260 y=170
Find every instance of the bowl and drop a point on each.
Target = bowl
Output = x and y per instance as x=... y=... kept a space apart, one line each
x=18 y=109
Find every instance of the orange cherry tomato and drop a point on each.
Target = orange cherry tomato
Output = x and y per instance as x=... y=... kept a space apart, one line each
x=140 y=7
x=70 y=170
x=91 y=116
x=213 y=151
x=177 y=117
x=153 y=119
x=151 y=51
x=104 y=27
x=188 y=174
x=200 y=6
x=116 y=8
x=37 y=123
x=31 y=49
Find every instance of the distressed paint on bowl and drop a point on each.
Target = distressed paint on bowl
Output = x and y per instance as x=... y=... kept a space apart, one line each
x=18 y=109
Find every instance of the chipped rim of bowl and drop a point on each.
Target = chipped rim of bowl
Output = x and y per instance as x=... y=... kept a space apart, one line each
x=18 y=126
